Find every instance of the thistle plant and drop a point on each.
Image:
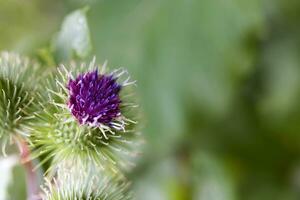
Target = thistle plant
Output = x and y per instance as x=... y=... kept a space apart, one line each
x=78 y=121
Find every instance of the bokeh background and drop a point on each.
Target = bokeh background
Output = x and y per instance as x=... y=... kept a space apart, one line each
x=219 y=85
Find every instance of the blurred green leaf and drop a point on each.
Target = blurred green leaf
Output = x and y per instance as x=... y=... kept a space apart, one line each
x=74 y=37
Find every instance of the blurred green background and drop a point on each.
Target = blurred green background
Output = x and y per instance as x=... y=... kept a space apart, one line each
x=219 y=84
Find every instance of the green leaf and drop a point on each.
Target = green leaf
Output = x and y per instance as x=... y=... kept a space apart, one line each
x=74 y=37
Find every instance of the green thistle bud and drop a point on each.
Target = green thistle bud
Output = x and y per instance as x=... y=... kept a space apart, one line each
x=17 y=95
x=73 y=183
x=89 y=117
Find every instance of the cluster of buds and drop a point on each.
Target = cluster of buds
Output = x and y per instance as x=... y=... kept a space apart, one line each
x=80 y=113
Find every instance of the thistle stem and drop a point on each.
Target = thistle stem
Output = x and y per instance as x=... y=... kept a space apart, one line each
x=31 y=176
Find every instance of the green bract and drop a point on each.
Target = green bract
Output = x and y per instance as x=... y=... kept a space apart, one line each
x=18 y=89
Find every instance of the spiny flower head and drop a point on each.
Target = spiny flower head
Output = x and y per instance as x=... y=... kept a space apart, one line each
x=18 y=83
x=75 y=182
x=94 y=98
x=90 y=114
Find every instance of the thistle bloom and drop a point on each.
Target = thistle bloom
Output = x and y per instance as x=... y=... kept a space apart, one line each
x=90 y=115
x=94 y=98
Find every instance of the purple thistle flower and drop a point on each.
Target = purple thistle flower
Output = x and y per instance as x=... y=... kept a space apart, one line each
x=94 y=98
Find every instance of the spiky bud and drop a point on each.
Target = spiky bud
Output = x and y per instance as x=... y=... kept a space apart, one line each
x=74 y=182
x=17 y=93
x=88 y=117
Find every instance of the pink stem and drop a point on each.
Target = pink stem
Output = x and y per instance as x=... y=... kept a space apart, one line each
x=31 y=176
